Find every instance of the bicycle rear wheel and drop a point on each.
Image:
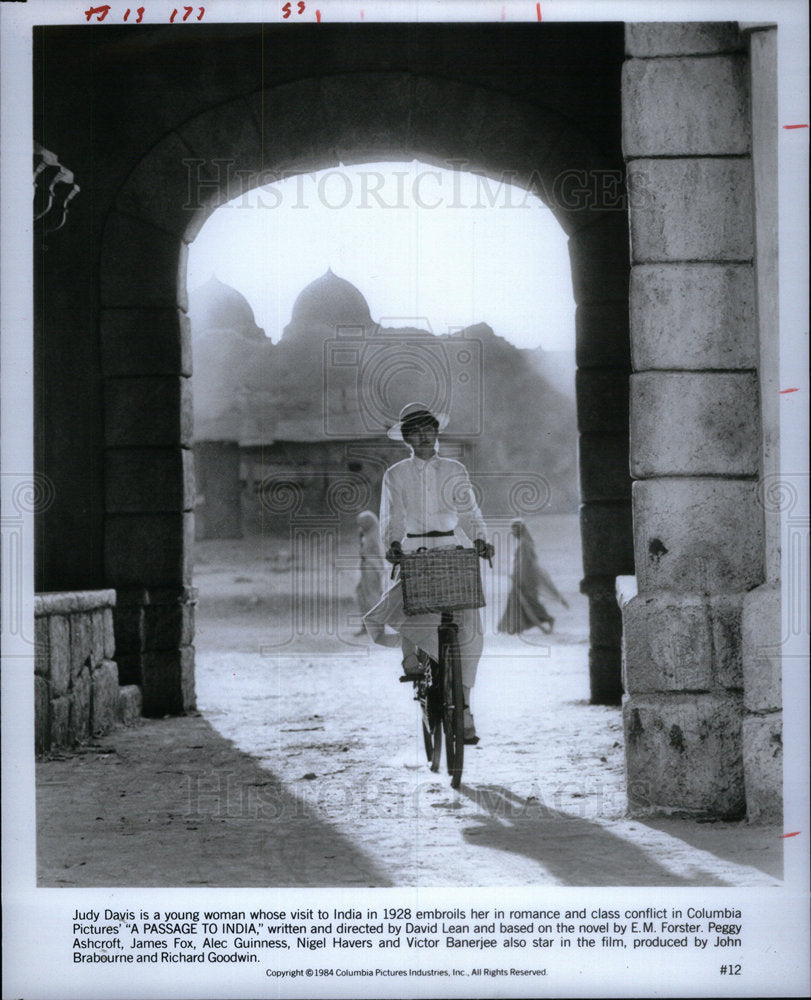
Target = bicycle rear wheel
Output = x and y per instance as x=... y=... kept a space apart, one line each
x=453 y=713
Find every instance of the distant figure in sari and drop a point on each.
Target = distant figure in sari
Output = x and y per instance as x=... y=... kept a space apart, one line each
x=373 y=568
x=524 y=609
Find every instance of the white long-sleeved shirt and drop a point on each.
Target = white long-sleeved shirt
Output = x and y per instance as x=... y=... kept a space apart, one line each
x=432 y=495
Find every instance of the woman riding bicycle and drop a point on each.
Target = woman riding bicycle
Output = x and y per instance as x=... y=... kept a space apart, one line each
x=427 y=502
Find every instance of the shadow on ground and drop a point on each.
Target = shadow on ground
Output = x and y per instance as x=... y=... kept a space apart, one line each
x=172 y=803
x=577 y=851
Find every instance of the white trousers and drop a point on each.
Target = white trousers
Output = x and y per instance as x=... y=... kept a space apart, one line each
x=421 y=630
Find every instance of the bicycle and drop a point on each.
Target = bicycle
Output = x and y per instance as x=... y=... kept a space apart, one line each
x=442 y=580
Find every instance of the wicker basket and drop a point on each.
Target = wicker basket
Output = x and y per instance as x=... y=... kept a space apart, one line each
x=440 y=579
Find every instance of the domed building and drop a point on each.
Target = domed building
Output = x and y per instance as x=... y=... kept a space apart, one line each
x=217 y=306
x=326 y=306
x=307 y=417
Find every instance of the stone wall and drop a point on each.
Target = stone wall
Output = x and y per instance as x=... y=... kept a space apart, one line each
x=76 y=682
x=696 y=436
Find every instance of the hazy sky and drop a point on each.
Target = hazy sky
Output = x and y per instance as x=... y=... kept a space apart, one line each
x=435 y=248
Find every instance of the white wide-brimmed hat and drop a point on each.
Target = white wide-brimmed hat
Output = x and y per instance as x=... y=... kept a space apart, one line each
x=395 y=432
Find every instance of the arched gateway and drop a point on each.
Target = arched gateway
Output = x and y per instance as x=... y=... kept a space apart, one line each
x=692 y=279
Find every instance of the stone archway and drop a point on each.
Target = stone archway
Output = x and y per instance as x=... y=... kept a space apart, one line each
x=306 y=126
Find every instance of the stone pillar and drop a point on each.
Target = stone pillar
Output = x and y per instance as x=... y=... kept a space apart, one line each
x=695 y=441
x=149 y=475
x=603 y=361
x=763 y=636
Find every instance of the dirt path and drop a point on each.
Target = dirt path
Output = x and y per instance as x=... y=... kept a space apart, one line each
x=306 y=767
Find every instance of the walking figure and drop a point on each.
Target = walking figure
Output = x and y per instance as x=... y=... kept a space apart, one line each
x=373 y=565
x=524 y=609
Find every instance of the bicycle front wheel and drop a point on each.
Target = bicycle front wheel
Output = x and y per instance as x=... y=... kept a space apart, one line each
x=453 y=714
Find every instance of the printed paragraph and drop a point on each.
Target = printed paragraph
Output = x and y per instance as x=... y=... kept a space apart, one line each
x=252 y=936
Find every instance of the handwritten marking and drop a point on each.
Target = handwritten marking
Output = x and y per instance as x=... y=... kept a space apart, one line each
x=795 y=126
x=538 y=10
x=318 y=16
x=784 y=391
x=795 y=834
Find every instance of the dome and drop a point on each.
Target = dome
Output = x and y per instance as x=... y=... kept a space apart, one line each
x=217 y=306
x=329 y=301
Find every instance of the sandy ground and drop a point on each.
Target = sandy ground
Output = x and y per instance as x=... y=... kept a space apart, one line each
x=305 y=763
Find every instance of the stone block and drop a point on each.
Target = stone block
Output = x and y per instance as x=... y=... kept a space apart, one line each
x=129 y=704
x=761 y=639
x=42 y=716
x=602 y=402
x=98 y=632
x=606 y=534
x=697 y=535
x=60 y=721
x=168 y=626
x=684 y=754
x=685 y=107
x=142 y=265
x=469 y=108
x=145 y=342
x=681 y=642
x=604 y=467
x=104 y=700
x=763 y=767
x=148 y=412
x=694 y=210
x=172 y=595
x=130 y=668
x=375 y=115
x=665 y=38
x=148 y=479
x=67 y=602
x=693 y=316
x=226 y=146
x=79 y=718
x=161 y=189
x=168 y=682
x=109 y=633
x=581 y=186
x=42 y=647
x=132 y=597
x=81 y=642
x=600 y=260
x=726 y=611
x=149 y=548
x=129 y=629
x=295 y=127
x=605 y=619
x=667 y=644
x=699 y=423
x=60 y=653
x=603 y=338
x=605 y=675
